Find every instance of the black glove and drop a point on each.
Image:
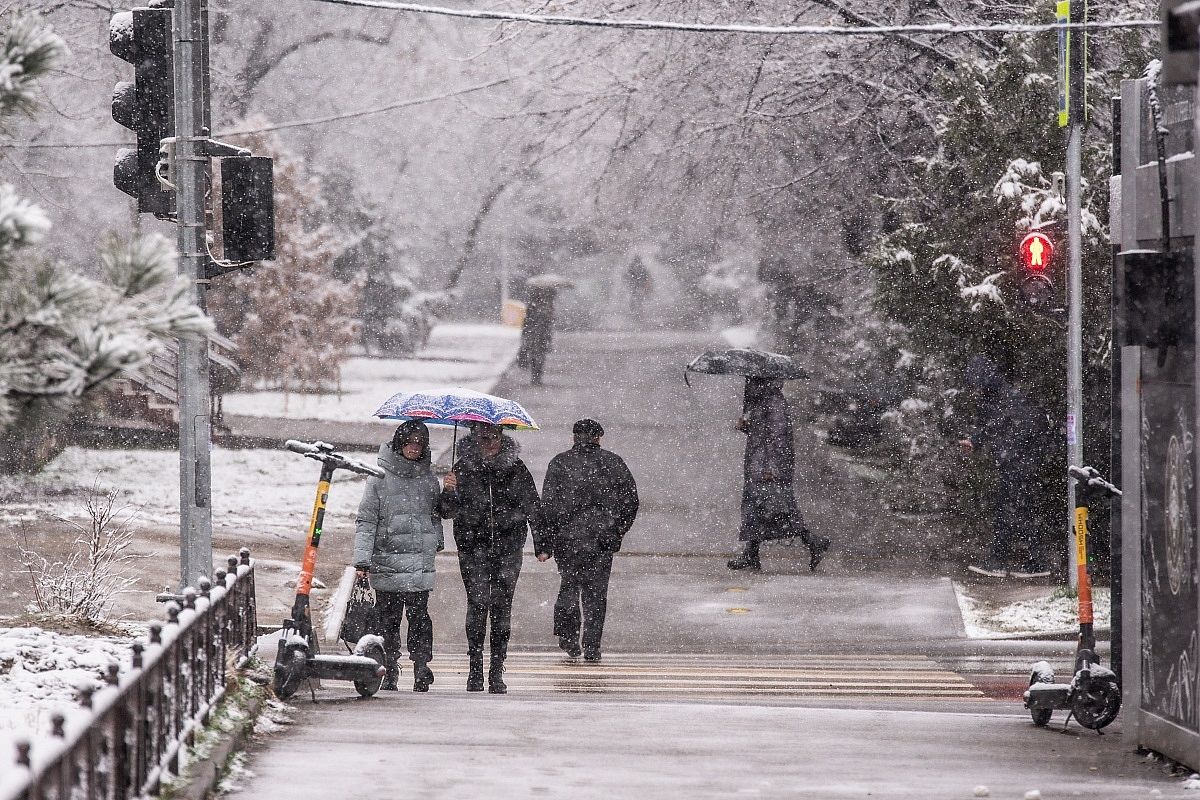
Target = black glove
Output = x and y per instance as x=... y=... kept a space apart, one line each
x=610 y=542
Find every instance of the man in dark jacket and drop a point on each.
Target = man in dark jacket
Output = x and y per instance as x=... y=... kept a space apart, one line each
x=768 y=500
x=589 y=502
x=493 y=500
x=1014 y=432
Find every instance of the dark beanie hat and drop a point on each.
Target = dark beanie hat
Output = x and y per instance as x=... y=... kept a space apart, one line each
x=587 y=428
x=410 y=429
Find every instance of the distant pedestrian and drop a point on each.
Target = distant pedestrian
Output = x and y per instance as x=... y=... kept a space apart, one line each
x=589 y=502
x=398 y=534
x=768 y=499
x=639 y=283
x=492 y=498
x=537 y=332
x=1014 y=432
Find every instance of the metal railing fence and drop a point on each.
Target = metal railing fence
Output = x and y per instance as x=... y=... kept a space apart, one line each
x=137 y=724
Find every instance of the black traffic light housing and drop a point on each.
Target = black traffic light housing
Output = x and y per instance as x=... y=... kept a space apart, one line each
x=1180 y=42
x=146 y=105
x=248 y=208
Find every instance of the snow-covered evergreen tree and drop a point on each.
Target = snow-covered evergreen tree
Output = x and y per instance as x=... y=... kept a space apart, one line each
x=947 y=271
x=62 y=335
x=292 y=319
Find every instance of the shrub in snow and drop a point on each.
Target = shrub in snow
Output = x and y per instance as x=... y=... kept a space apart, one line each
x=85 y=584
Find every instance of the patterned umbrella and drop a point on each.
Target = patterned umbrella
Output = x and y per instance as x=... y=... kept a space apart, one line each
x=454 y=405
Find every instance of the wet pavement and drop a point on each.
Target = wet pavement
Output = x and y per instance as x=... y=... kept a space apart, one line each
x=850 y=682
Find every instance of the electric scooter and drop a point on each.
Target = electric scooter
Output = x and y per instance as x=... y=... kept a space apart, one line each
x=299 y=657
x=1093 y=696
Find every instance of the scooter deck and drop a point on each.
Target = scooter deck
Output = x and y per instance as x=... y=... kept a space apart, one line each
x=344 y=668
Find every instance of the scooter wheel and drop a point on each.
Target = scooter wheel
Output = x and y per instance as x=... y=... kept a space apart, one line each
x=1041 y=716
x=368 y=688
x=1098 y=705
x=290 y=671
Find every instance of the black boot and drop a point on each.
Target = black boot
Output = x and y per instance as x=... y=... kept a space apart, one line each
x=422 y=676
x=475 y=675
x=817 y=546
x=390 y=676
x=747 y=559
x=496 y=683
x=570 y=644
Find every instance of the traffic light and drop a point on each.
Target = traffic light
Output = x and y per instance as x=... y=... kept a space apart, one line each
x=248 y=208
x=1036 y=253
x=1180 y=41
x=146 y=105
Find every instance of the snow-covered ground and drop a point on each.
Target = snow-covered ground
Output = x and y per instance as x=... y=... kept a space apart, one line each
x=470 y=356
x=1052 y=612
x=258 y=490
x=41 y=672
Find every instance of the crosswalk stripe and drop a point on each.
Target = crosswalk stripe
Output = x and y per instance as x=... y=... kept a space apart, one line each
x=692 y=674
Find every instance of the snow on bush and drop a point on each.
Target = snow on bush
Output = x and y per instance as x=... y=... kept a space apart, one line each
x=86 y=584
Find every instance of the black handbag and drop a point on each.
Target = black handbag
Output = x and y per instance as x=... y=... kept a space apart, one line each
x=773 y=502
x=360 y=612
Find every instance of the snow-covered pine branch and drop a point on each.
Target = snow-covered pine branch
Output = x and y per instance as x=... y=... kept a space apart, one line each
x=29 y=49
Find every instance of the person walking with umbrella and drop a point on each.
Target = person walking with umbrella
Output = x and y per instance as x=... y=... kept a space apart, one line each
x=768 y=500
x=492 y=498
x=397 y=535
x=537 y=332
x=589 y=502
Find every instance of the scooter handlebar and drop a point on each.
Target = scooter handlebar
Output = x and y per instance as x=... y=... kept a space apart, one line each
x=1091 y=478
x=358 y=466
x=303 y=448
x=323 y=452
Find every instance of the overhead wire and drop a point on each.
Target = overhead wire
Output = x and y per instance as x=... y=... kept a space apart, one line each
x=939 y=29
x=279 y=126
x=936 y=28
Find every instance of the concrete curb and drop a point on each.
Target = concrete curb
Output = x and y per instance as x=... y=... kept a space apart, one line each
x=205 y=775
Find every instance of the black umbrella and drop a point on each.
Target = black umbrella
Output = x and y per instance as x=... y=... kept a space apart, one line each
x=747 y=362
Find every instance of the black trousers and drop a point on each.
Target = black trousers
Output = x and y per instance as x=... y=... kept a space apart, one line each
x=490 y=577
x=1015 y=525
x=389 y=613
x=582 y=597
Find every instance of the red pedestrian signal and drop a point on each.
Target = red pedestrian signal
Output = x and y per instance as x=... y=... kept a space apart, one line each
x=1036 y=251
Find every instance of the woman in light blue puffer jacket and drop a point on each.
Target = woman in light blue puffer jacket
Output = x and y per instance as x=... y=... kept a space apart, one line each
x=398 y=534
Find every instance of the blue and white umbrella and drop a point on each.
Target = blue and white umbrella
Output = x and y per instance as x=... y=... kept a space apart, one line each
x=454 y=405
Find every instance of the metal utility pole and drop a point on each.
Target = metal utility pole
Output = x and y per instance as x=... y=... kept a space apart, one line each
x=191 y=176
x=1073 y=116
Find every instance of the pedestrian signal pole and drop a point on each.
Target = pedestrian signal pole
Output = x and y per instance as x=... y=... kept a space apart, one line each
x=191 y=177
x=1072 y=115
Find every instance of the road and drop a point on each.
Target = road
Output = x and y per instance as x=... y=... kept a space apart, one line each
x=849 y=682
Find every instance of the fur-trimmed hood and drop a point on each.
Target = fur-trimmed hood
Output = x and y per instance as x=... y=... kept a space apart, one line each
x=395 y=463
x=470 y=457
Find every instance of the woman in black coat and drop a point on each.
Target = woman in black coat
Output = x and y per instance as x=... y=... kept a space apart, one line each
x=492 y=503
x=768 y=500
